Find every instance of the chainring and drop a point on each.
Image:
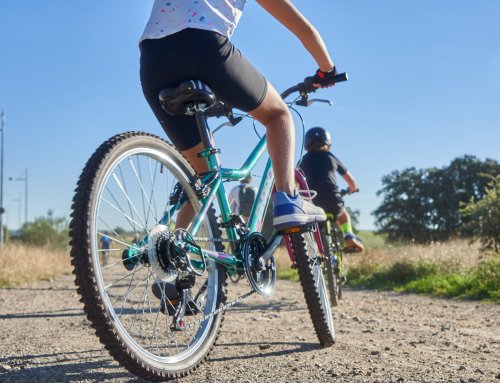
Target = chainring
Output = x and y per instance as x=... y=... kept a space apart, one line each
x=260 y=275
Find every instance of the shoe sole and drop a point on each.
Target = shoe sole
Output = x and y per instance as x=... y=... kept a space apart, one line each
x=292 y=220
x=353 y=246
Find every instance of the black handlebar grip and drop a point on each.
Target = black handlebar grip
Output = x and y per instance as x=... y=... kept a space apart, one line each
x=344 y=192
x=341 y=77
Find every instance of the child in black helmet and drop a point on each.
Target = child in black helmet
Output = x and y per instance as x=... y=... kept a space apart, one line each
x=320 y=167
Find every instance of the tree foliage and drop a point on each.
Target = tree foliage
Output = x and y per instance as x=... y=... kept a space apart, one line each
x=423 y=205
x=44 y=231
x=484 y=215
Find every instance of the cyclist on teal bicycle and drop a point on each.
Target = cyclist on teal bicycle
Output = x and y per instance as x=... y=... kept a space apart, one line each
x=320 y=167
x=189 y=40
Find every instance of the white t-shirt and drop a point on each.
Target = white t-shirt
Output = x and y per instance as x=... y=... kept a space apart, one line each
x=168 y=17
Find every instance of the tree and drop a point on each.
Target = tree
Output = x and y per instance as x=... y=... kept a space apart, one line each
x=424 y=205
x=43 y=231
x=404 y=212
x=484 y=215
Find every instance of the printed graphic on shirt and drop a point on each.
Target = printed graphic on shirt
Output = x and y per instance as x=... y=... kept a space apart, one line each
x=168 y=17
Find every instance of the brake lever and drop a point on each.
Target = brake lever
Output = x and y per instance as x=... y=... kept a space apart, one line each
x=320 y=100
x=304 y=101
x=233 y=121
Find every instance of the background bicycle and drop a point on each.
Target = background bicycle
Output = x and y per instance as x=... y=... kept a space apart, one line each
x=334 y=249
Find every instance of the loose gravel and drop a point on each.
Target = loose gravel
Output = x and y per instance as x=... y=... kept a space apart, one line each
x=381 y=337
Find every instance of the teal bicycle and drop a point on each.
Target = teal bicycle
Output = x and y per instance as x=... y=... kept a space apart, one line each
x=139 y=191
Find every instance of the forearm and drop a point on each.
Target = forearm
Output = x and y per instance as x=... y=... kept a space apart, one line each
x=293 y=20
x=353 y=186
x=312 y=41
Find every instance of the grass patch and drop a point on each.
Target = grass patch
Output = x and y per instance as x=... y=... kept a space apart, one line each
x=22 y=264
x=479 y=281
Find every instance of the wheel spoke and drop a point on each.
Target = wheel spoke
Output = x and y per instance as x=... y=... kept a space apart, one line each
x=130 y=203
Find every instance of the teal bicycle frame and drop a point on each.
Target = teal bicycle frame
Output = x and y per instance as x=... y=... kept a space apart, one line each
x=214 y=180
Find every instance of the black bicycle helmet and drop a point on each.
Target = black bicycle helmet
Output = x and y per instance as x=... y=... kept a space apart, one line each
x=316 y=138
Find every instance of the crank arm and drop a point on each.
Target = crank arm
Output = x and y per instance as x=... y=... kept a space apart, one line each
x=274 y=242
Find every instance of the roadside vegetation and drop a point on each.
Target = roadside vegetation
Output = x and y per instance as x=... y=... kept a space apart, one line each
x=22 y=264
x=40 y=251
x=453 y=269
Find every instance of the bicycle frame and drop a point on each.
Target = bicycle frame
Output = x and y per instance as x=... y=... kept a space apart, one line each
x=214 y=179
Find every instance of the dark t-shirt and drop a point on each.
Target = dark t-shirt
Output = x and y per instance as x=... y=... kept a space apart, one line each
x=320 y=169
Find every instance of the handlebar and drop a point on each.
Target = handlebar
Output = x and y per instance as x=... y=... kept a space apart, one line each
x=305 y=87
x=344 y=192
x=308 y=87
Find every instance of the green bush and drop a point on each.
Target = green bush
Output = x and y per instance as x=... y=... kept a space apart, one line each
x=484 y=215
x=45 y=231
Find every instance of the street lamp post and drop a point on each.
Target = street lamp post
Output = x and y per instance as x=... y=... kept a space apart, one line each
x=2 y=210
x=18 y=200
x=25 y=180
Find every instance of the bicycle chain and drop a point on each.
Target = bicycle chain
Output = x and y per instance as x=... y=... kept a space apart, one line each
x=219 y=310
x=213 y=240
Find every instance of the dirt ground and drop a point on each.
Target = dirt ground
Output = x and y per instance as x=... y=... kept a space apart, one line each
x=381 y=337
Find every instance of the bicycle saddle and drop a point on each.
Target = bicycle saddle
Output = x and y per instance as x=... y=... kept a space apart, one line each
x=174 y=99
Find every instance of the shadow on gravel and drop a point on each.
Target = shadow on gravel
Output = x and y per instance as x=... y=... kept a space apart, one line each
x=45 y=314
x=51 y=288
x=64 y=367
x=291 y=348
x=251 y=307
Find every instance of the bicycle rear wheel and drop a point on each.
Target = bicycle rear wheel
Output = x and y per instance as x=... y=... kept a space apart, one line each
x=308 y=259
x=124 y=193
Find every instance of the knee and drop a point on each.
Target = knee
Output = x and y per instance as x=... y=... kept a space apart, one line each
x=279 y=115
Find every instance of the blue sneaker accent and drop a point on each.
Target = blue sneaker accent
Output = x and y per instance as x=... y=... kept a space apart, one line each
x=290 y=211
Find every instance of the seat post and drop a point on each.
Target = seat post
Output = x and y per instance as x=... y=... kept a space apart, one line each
x=208 y=152
x=201 y=122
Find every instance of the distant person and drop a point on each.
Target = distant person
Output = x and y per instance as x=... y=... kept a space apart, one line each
x=106 y=244
x=242 y=197
x=320 y=167
x=137 y=240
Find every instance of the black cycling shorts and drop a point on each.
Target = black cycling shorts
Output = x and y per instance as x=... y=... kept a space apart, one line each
x=331 y=203
x=196 y=54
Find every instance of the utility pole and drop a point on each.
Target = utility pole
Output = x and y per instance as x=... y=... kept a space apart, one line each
x=2 y=210
x=25 y=180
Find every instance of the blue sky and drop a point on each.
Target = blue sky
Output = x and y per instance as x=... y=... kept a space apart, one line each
x=424 y=87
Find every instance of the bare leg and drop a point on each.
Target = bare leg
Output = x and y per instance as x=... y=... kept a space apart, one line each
x=275 y=116
x=344 y=217
x=199 y=165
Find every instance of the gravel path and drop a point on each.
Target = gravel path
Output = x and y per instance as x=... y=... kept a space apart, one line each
x=381 y=337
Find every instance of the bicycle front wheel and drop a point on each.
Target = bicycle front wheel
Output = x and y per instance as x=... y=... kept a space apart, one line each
x=329 y=270
x=308 y=260
x=124 y=192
